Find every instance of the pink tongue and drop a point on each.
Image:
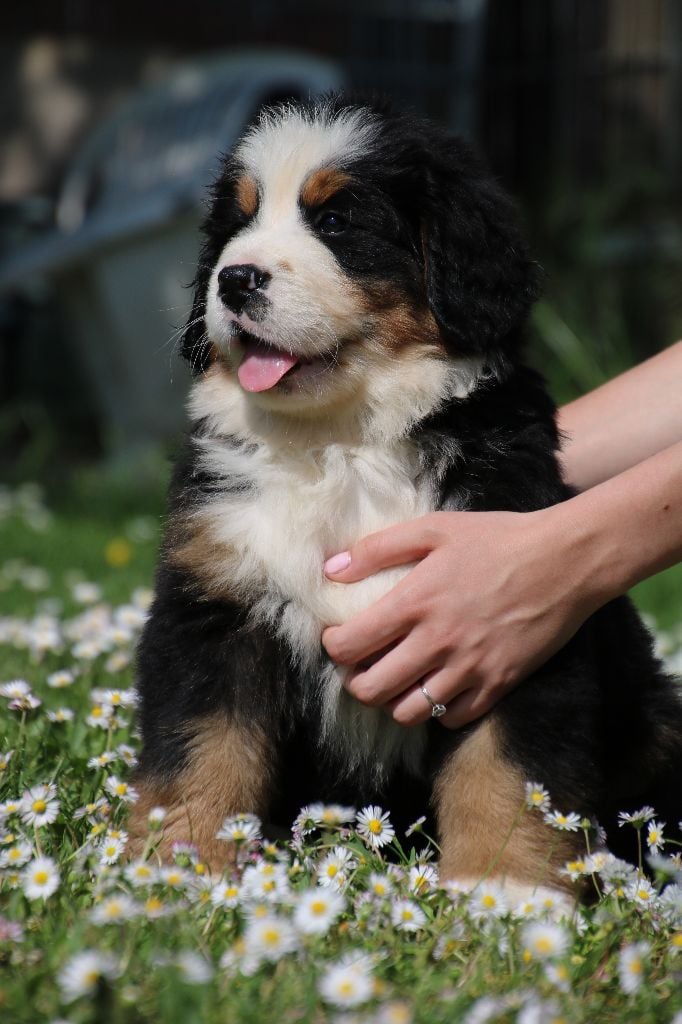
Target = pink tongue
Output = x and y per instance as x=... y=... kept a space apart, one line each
x=263 y=366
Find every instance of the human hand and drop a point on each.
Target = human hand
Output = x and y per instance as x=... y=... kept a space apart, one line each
x=493 y=595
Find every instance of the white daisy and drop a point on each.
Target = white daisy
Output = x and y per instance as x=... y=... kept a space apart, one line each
x=331 y=815
x=266 y=881
x=422 y=878
x=487 y=900
x=61 y=715
x=27 y=703
x=631 y=965
x=270 y=937
x=346 y=983
x=193 y=968
x=86 y=593
x=654 y=839
x=15 y=689
x=121 y=790
x=642 y=892
x=407 y=916
x=241 y=828
x=156 y=818
x=543 y=940
x=317 y=909
x=537 y=797
x=380 y=885
x=374 y=827
x=5 y=758
x=225 y=894
x=636 y=818
x=81 y=974
x=39 y=806
x=61 y=679
x=335 y=867
x=40 y=878
x=174 y=877
x=126 y=754
x=100 y=716
x=16 y=855
x=102 y=760
x=141 y=872
x=114 y=909
x=110 y=850
x=564 y=822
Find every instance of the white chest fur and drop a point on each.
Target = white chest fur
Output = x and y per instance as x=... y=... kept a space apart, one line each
x=272 y=539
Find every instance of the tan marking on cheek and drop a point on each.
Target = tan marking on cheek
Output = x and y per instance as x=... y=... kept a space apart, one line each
x=247 y=195
x=229 y=771
x=478 y=795
x=322 y=185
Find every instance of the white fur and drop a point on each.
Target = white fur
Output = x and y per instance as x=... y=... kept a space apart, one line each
x=271 y=544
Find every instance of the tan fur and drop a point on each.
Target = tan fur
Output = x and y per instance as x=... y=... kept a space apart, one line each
x=247 y=195
x=322 y=185
x=228 y=772
x=478 y=795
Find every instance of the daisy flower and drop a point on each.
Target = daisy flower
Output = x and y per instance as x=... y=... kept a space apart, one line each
x=631 y=961
x=61 y=679
x=266 y=881
x=40 y=878
x=16 y=689
x=116 y=698
x=331 y=815
x=317 y=909
x=102 y=760
x=27 y=703
x=642 y=892
x=80 y=976
x=156 y=818
x=636 y=818
x=374 y=827
x=379 y=885
x=270 y=938
x=654 y=839
x=10 y=807
x=407 y=916
x=114 y=910
x=126 y=754
x=5 y=758
x=39 y=806
x=537 y=797
x=564 y=822
x=60 y=715
x=100 y=716
x=240 y=828
x=346 y=983
x=225 y=894
x=110 y=850
x=124 y=792
x=542 y=940
x=422 y=877
x=16 y=855
x=193 y=968
x=140 y=872
x=487 y=900
x=416 y=826
x=335 y=867
x=86 y=593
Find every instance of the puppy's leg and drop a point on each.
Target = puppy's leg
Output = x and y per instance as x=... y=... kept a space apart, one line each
x=227 y=770
x=485 y=832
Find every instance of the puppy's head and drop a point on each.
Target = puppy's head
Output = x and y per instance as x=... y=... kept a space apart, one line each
x=344 y=241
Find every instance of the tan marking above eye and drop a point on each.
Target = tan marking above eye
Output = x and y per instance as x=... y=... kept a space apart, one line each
x=247 y=195
x=322 y=185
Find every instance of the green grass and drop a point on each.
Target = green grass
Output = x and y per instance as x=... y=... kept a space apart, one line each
x=440 y=972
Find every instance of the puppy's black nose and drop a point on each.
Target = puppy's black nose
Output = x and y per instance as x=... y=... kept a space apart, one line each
x=236 y=284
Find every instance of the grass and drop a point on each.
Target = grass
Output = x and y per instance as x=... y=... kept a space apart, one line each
x=171 y=950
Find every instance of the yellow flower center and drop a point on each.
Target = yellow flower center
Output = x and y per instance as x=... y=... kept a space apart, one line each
x=489 y=901
x=635 y=966
x=231 y=892
x=96 y=712
x=121 y=789
x=91 y=977
x=41 y=877
x=153 y=904
x=407 y=915
x=543 y=944
x=14 y=853
x=271 y=936
x=332 y=869
x=379 y=888
x=677 y=940
x=375 y=826
x=318 y=907
x=346 y=988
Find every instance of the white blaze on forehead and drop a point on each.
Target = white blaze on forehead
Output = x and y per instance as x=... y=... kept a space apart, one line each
x=288 y=144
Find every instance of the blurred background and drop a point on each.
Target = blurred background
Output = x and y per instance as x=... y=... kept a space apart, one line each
x=112 y=119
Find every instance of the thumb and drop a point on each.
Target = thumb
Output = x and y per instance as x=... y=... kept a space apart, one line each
x=396 y=545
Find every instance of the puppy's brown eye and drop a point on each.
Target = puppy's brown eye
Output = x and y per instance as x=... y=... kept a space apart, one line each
x=331 y=223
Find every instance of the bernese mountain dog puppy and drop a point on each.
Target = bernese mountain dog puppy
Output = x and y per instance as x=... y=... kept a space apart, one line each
x=356 y=336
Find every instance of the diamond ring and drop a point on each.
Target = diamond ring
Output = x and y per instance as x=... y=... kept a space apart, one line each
x=436 y=709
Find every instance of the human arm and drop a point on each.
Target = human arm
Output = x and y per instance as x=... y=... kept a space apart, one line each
x=494 y=594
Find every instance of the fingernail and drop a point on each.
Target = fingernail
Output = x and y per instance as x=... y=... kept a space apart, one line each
x=337 y=563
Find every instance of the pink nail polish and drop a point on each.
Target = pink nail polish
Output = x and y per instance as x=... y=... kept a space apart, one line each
x=337 y=563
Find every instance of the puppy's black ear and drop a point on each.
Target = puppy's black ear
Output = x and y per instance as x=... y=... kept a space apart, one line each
x=480 y=279
x=221 y=222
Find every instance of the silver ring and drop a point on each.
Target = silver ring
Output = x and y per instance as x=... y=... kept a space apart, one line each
x=436 y=709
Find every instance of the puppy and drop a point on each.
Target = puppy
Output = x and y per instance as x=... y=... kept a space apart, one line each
x=356 y=336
